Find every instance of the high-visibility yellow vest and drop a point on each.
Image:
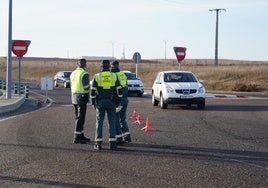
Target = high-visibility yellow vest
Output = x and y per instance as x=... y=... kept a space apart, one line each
x=76 y=81
x=106 y=79
x=122 y=78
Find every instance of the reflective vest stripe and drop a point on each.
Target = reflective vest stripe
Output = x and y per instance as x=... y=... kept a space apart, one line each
x=87 y=86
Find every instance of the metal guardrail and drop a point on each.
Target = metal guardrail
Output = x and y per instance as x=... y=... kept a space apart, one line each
x=24 y=89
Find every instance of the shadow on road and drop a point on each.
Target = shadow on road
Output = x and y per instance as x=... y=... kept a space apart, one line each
x=43 y=182
x=28 y=106
x=250 y=158
x=228 y=108
x=236 y=108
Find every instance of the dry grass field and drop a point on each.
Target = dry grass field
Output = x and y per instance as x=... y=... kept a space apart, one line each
x=229 y=75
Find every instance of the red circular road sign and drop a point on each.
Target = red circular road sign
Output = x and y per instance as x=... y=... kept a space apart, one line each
x=19 y=47
x=180 y=53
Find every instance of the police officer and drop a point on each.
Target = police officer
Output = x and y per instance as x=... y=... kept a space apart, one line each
x=121 y=123
x=105 y=95
x=79 y=82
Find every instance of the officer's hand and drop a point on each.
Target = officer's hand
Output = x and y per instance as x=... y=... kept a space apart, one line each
x=94 y=106
x=117 y=104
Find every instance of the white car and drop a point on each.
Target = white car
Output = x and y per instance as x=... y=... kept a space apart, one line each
x=62 y=78
x=134 y=83
x=178 y=87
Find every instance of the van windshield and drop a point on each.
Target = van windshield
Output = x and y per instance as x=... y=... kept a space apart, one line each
x=131 y=76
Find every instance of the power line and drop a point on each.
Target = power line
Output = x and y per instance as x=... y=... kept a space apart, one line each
x=181 y=3
x=174 y=2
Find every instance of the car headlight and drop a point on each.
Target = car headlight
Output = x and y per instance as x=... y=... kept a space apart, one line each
x=169 y=89
x=201 y=90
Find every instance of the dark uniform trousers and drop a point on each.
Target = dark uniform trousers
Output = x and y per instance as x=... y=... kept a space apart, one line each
x=123 y=122
x=80 y=115
x=105 y=105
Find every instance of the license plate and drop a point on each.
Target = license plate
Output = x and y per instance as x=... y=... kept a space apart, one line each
x=131 y=88
x=186 y=97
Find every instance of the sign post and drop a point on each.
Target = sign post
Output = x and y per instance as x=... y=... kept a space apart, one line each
x=137 y=59
x=20 y=48
x=9 y=55
x=180 y=54
x=46 y=84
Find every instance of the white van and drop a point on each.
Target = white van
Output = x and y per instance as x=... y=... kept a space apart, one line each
x=135 y=85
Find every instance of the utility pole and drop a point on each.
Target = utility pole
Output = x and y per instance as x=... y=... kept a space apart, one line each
x=112 y=49
x=123 y=54
x=165 y=49
x=217 y=28
x=9 y=55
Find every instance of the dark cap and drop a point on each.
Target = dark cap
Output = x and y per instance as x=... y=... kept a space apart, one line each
x=82 y=62
x=105 y=62
x=115 y=63
x=115 y=66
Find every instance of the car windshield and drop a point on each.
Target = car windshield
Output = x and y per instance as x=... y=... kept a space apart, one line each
x=67 y=74
x=131 y=76
x=179 y=77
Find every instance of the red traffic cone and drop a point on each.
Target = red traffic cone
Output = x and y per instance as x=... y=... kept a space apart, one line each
x=148 y=126
x=134 y=114
x=138 y=120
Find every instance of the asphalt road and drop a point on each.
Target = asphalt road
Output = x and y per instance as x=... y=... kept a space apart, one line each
x=225 y=145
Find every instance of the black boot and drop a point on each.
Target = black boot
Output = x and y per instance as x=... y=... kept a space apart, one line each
x=113 y=145
x=78 y=139
x=119 y=141
x=98 y=146
x=85 y=138
x=127 y=139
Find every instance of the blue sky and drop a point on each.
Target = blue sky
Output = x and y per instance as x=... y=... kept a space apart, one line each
x=72 y=28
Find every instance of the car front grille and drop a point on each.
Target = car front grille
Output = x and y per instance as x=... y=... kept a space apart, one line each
x=185 y=91
x=135 y=85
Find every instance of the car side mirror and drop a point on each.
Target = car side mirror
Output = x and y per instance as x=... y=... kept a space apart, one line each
x=201 y=81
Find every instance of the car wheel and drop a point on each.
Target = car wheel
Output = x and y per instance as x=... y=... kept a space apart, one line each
x=65 y=85
x=155 y=102
x=201 y=104
x=162 y=103
x=140 y=94
x=55 y=83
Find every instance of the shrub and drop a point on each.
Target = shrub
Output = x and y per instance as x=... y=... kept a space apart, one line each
x=245 y=87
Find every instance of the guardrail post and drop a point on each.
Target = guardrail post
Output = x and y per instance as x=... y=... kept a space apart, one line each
x=16 y=88
x=26 y=91
x=21 y=89
x=4 y=85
